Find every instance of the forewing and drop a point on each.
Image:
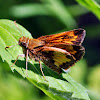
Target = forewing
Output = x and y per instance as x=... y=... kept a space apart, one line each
x=73 y=37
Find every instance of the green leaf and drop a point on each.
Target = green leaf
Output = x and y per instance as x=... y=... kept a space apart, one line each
x=91 y=5
x=79 y=71
x=27 y=10
x=58 y=87
x=94 y=85
x=54 y=8
x=59 y=10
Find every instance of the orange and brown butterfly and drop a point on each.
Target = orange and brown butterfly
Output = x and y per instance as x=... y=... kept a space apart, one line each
x=57 y=51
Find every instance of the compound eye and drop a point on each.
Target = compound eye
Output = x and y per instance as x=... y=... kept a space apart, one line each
x=24 y=44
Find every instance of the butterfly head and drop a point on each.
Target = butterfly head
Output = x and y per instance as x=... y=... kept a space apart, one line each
x=23 y=42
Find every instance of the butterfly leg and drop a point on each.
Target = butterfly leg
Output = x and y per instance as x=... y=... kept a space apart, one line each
x=42 y=70
x=21 y=55
x=10 y=46
x=26 y=61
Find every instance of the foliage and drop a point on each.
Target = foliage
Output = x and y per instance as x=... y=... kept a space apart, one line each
x=42 y=17
x=57 y=87
x=92 y=6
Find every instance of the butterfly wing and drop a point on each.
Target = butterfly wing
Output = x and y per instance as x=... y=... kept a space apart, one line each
x=73 y=37
x=62 y=50
x=62 y=56
x=54 y=58
x=77 y=51
x=57 y=60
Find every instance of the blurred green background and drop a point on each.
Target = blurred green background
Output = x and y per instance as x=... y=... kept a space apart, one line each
x=42 y=17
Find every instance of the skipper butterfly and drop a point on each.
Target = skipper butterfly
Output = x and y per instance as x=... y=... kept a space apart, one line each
x=57 y=51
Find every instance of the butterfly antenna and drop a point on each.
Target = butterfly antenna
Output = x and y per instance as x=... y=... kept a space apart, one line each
x=18 y=28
